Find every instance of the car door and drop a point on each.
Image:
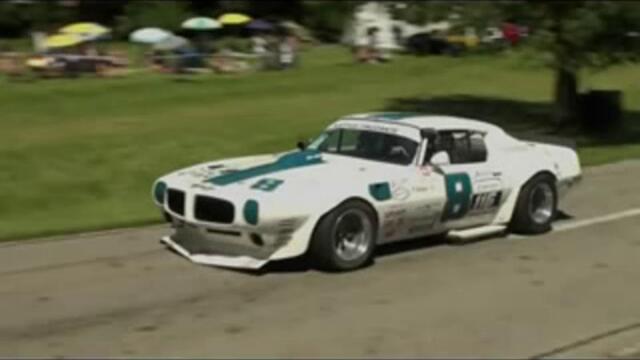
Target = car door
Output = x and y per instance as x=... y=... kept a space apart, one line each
x=474 y=183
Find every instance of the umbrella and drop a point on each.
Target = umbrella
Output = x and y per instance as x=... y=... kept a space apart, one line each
x=63 y=40
x=234 y=19
x=201 y=23
x=149 y=35
x=86 y=30
x=171 y=43
x=260 y=25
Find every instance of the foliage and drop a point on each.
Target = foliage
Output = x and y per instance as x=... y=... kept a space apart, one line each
x=19 y=19
x=327 y=19
x=586 y=33
x=164 y=14
x=324 y=16
x=10 y=19
x=461 y=14
x=578 y=34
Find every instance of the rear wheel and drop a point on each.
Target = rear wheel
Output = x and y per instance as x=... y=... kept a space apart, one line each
x=345 y=238
x=536 y=206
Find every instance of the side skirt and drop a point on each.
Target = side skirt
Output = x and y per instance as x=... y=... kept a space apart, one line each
x=466 y=235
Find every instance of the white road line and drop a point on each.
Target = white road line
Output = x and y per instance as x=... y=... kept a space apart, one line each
x=596 y=220
x=571 y=225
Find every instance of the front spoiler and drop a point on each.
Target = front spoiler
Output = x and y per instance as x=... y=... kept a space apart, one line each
x=238 y=262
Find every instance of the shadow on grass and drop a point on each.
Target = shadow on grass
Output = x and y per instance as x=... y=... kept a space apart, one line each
x=525 y=119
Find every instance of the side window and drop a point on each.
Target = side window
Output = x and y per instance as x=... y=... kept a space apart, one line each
x=459 y=154
x=330 y=142
x=477 y=148
x=463 y=147
x=349 y=142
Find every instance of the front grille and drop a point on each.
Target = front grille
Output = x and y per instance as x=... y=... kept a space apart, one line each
x=214 y=210
x=175 y=201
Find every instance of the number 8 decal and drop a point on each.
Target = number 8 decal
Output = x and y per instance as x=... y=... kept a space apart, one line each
x=458 y=188
x=267 y=184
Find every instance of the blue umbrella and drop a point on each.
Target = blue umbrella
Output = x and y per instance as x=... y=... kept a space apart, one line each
x=260 y=25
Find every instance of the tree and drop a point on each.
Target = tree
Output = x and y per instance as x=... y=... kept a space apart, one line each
x=581 y=34
x=10 y=19
x=164 y=14
x=328 y=18
x=475 y=14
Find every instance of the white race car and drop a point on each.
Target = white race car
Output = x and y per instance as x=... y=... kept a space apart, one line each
x=368 y=179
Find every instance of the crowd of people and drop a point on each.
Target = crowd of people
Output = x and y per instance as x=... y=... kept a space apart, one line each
x=276 y=48
x=262 y=50
x=67 y=62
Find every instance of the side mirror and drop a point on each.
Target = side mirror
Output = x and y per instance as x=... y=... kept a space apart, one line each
x=302 y=145
x=440 y=158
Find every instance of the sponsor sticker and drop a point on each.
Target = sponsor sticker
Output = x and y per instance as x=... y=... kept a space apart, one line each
x=399 y=190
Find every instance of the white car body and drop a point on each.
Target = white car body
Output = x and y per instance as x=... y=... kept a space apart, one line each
x=278 y=199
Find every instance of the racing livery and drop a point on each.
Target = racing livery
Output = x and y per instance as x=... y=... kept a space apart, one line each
x=368 y=179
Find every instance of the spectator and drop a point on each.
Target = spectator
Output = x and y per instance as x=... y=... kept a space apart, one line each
x=373 y=53
x=287 y=50
x=511 y=33
x=259 y=45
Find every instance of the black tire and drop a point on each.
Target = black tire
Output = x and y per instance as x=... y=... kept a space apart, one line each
x=524 y=219
x=323 y=249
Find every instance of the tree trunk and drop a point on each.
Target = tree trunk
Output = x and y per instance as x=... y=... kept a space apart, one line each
x=566 y=97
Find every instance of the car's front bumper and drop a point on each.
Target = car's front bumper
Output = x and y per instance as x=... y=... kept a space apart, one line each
x=233 y=246
x=240 y=261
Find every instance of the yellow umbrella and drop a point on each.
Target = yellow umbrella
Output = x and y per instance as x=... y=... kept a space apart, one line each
x=234 y=19
x=62 y=40
x=85 y=29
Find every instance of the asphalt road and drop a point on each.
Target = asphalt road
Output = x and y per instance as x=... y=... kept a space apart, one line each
x=573 y=292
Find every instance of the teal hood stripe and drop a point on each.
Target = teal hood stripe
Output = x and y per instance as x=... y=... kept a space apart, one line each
x=286 y=162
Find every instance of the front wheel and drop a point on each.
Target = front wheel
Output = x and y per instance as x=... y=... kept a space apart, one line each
x=345 y=238
x=536 y=206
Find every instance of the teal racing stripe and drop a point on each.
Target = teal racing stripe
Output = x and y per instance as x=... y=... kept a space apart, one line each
x=286 y=162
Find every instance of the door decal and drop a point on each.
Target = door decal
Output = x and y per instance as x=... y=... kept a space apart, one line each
x=458 y=188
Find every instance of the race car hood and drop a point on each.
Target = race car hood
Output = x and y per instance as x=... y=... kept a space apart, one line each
x=289 y=176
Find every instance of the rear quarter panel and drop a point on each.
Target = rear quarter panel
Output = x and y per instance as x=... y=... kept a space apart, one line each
x=524 y=160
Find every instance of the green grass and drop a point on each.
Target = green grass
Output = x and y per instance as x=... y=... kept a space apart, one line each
x=82 y=154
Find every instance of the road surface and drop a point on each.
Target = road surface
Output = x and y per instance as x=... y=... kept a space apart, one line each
x=573 y=292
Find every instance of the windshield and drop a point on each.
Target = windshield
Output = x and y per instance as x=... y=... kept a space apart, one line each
x=368 y=145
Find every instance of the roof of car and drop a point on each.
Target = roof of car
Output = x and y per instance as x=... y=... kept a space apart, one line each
x=425 y=121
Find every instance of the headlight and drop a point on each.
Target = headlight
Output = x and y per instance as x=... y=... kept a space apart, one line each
x=159 y=191
x=250 y=212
